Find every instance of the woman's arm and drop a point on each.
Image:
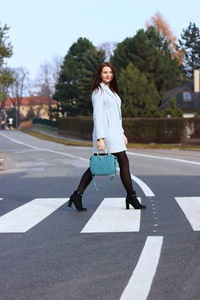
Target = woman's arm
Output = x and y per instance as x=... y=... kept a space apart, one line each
x=98 y=118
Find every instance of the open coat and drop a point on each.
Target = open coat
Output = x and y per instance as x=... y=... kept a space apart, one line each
x=107 y=119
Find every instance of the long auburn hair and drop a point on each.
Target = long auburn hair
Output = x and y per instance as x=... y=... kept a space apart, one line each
x=97 y=80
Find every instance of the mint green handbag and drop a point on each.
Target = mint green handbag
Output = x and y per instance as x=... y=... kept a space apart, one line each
x=103 y=165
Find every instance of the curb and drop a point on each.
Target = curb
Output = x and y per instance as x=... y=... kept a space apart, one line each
x=3 y=165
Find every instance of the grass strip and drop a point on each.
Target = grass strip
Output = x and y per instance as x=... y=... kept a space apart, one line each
x=47 y=137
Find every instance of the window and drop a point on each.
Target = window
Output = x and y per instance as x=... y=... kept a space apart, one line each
x=187 y=97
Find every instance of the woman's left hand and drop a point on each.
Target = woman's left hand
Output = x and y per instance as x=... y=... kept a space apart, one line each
x=125 y=140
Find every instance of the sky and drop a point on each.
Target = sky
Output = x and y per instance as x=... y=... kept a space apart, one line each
x=43 y=29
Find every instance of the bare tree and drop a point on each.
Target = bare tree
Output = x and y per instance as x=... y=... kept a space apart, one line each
x=18 y=89
x=109 y=48
x=47 y=77
x=56 y=66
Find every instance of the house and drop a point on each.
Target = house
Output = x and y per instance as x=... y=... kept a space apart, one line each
x=187 y=97
x=39 y=105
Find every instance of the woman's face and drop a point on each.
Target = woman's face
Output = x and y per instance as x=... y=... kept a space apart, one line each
x=106 y=75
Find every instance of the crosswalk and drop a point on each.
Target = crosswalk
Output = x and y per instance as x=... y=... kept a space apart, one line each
x=30 y=214
x=191 y=209
x=110 y=216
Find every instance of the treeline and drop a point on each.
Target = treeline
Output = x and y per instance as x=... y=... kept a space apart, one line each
x=148 y=64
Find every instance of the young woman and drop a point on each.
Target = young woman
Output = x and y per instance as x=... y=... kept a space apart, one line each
x=108 y=134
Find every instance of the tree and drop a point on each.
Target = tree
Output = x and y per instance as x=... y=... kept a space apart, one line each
x=5 y=74
x=149 y=51
x=161 y=25
x=108 y=48
x=72 y=88
x=90 y=62
x=173 y=111
x=18 y=88
x=138 y=95
x=190 y=44
x=47 y=78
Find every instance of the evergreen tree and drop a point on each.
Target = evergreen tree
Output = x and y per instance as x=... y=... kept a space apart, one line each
x=173 y=111
x=90 y=63
x=149 y=51
x=5 y=74
x=190 y=43
x=67 y=91
x=138 y=95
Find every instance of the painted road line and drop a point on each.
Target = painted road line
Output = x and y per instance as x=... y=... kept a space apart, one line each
x=30 y=214
x=165 y=158
x=111 y=216
x=147 y=191
x=18 y=142
x=1 y=199
x=131 y=153
x=139 y=284
x=191 y=208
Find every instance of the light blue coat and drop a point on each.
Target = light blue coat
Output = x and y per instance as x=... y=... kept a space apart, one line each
x=107 y=119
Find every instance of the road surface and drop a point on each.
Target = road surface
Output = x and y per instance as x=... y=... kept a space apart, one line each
x=49 y=251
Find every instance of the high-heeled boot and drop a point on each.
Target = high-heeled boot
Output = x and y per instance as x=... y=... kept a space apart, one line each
x=76 y=198
x=132 y=200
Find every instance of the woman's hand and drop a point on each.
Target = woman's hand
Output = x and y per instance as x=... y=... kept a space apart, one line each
x=101 y=145
x=125 y=140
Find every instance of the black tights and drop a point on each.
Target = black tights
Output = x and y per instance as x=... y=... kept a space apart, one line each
x=124 y=174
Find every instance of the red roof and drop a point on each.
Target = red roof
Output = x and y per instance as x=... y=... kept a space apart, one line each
x=31 y=101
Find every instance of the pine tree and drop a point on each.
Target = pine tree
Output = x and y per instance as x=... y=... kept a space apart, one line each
x=90 y=63
x=67 y=91
x=5 y=74
x=190 y=43
x=138 y=95
x=149 y=51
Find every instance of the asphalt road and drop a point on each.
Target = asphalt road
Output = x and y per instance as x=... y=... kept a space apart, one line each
x=106 y=253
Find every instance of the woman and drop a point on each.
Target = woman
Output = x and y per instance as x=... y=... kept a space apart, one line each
x=108 y=134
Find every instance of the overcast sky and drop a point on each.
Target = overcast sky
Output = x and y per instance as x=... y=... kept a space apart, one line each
x=42 y=29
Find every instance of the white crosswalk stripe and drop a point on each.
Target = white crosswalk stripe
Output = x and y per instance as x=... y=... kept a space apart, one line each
x=111 y=216
x=1 y=199
x=191 y=208
x=30 y=214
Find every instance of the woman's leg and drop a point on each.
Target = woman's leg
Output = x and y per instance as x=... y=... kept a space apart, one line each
x=85 y=181
x=127 y=181
x=76 y=197
x=125 y=171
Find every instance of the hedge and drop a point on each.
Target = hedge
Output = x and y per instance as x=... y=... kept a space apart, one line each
x=76 y=126
x=138 y=130
x=154 y=130
x=45 y=122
